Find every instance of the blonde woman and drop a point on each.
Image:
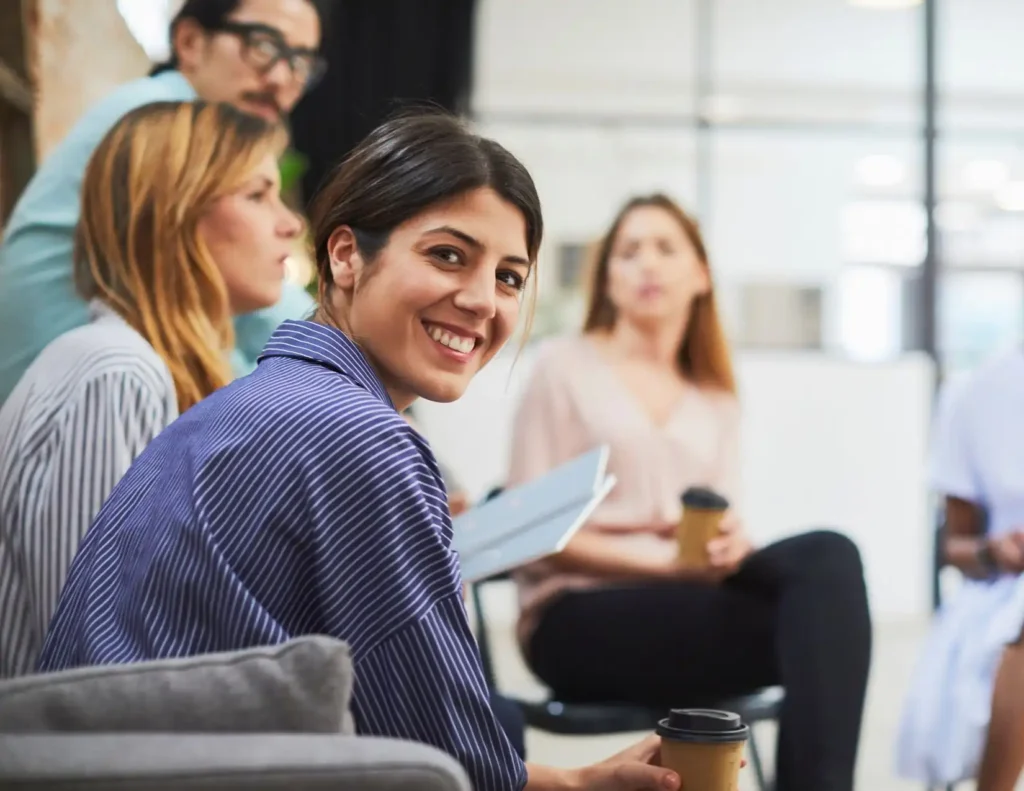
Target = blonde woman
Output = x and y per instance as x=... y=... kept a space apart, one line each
x=181 y=229
x=614 y=617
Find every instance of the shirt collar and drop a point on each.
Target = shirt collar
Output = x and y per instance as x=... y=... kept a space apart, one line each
x=177 y=81
x=328 y=346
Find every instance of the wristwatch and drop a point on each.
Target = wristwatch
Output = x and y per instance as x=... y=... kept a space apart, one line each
x=986 y=559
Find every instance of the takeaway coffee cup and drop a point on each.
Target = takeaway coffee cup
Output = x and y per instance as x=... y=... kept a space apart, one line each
x=704 y=747
x=700 y=522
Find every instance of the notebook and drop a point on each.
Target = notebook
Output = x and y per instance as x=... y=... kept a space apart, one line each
x=533 y=520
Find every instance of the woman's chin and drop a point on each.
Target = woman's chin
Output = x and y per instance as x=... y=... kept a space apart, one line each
x=442 y=387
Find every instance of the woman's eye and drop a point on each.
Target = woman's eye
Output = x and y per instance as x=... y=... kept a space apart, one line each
x=512 y=280
x=447 y=255
x=258 y=196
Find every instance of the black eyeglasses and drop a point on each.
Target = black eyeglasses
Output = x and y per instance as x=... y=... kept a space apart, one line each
x=263 y=47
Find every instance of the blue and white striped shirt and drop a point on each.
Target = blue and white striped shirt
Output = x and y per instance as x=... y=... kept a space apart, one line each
x=293 y=501
x=83 y=411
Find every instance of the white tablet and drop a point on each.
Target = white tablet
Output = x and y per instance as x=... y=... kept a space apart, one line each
x=533 y=520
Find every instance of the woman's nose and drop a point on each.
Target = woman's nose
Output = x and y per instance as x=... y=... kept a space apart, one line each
x=291 y=224
x=476 y=295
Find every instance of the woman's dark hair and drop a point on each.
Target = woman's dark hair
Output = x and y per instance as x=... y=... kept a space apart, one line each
x=210 y=15
x=407 y=164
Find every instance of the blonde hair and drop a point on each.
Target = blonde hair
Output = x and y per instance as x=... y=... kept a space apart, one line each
x=703 y=355
x=137 y=245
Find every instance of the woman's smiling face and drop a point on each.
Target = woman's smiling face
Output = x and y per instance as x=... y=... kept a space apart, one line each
x=440 y=299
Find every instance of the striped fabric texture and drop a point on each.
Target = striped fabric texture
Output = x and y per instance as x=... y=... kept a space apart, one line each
x=87 y=406
x=293 y=501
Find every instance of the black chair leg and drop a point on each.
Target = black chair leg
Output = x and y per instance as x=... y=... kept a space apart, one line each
x=755 y=759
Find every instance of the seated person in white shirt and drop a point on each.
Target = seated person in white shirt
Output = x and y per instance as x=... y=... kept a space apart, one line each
x=964 y=717
x=182 y=228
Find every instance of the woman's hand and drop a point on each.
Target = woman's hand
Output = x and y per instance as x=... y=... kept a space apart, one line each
x=632 y=769
x=635 y=769
x=1008 y=552
x=728 y=551
x=458 y=503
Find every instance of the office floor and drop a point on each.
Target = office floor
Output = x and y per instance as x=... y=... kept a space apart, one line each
x=896 y=647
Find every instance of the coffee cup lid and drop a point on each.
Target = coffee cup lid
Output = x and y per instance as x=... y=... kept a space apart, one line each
x=701 y=497
x=706 y=726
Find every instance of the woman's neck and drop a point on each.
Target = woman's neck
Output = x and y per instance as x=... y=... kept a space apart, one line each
x=401 y=397
x=655 y=342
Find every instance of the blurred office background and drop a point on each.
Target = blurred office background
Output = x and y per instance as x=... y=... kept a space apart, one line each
x=865 y=222
x=857 y=166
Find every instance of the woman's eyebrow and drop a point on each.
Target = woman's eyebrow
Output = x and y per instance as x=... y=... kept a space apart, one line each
x=476 y=244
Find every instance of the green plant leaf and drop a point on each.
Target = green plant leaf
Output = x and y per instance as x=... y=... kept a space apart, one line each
x=293 y=166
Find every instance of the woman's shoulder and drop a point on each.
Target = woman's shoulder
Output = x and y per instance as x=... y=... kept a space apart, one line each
x=999 y=372
x=103 y=349
x=76 y=368
x=722 y=403
x=562 y=353
x=354 y=425
x=989 y=393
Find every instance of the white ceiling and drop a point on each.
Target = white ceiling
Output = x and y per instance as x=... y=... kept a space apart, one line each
x=774 y=59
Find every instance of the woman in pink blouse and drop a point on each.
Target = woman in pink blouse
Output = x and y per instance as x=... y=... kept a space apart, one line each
x=614 y=617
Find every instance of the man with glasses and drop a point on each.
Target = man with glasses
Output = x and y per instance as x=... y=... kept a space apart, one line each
x=259 y=55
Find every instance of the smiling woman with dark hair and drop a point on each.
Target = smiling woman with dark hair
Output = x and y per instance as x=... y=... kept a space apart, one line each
x=299 y=501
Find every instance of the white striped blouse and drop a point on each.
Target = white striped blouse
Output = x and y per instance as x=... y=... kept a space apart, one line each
x=296 y=500
x=87 y=406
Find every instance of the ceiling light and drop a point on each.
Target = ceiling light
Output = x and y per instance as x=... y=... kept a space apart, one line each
x=1010 y=197
x=885 y=4
x=985 y=175
x=880 y=170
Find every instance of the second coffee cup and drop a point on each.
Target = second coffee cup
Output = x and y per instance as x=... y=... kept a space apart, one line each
x=704 y=747
x=701 y=521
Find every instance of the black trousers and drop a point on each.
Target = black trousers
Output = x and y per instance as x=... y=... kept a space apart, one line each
x=795 y=614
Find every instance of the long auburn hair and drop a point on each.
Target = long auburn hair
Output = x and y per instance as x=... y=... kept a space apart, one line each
x=137 y=245
x=703 y=355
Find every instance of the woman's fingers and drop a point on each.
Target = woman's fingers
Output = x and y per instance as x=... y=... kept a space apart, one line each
x=725 y=550
x=730 y=523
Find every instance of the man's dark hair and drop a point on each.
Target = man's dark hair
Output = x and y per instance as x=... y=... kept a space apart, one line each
x=211 y=15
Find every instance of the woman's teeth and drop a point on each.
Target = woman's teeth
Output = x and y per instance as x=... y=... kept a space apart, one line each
x=445 y=338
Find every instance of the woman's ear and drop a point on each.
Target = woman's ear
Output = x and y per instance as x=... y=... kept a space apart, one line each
x=346 y=262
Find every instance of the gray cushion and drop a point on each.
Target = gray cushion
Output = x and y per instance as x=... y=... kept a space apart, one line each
x=223 y=762
x=304 y=685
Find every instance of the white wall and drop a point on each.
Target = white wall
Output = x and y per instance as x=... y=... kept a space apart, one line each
x=826 y=443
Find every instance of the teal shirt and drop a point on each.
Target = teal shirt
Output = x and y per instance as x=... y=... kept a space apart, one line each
x=38 y=301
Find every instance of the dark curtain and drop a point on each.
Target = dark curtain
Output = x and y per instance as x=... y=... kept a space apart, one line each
x=382 y=54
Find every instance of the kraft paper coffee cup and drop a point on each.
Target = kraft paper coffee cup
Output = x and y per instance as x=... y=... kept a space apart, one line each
x=704 y=747
x=700 y=522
